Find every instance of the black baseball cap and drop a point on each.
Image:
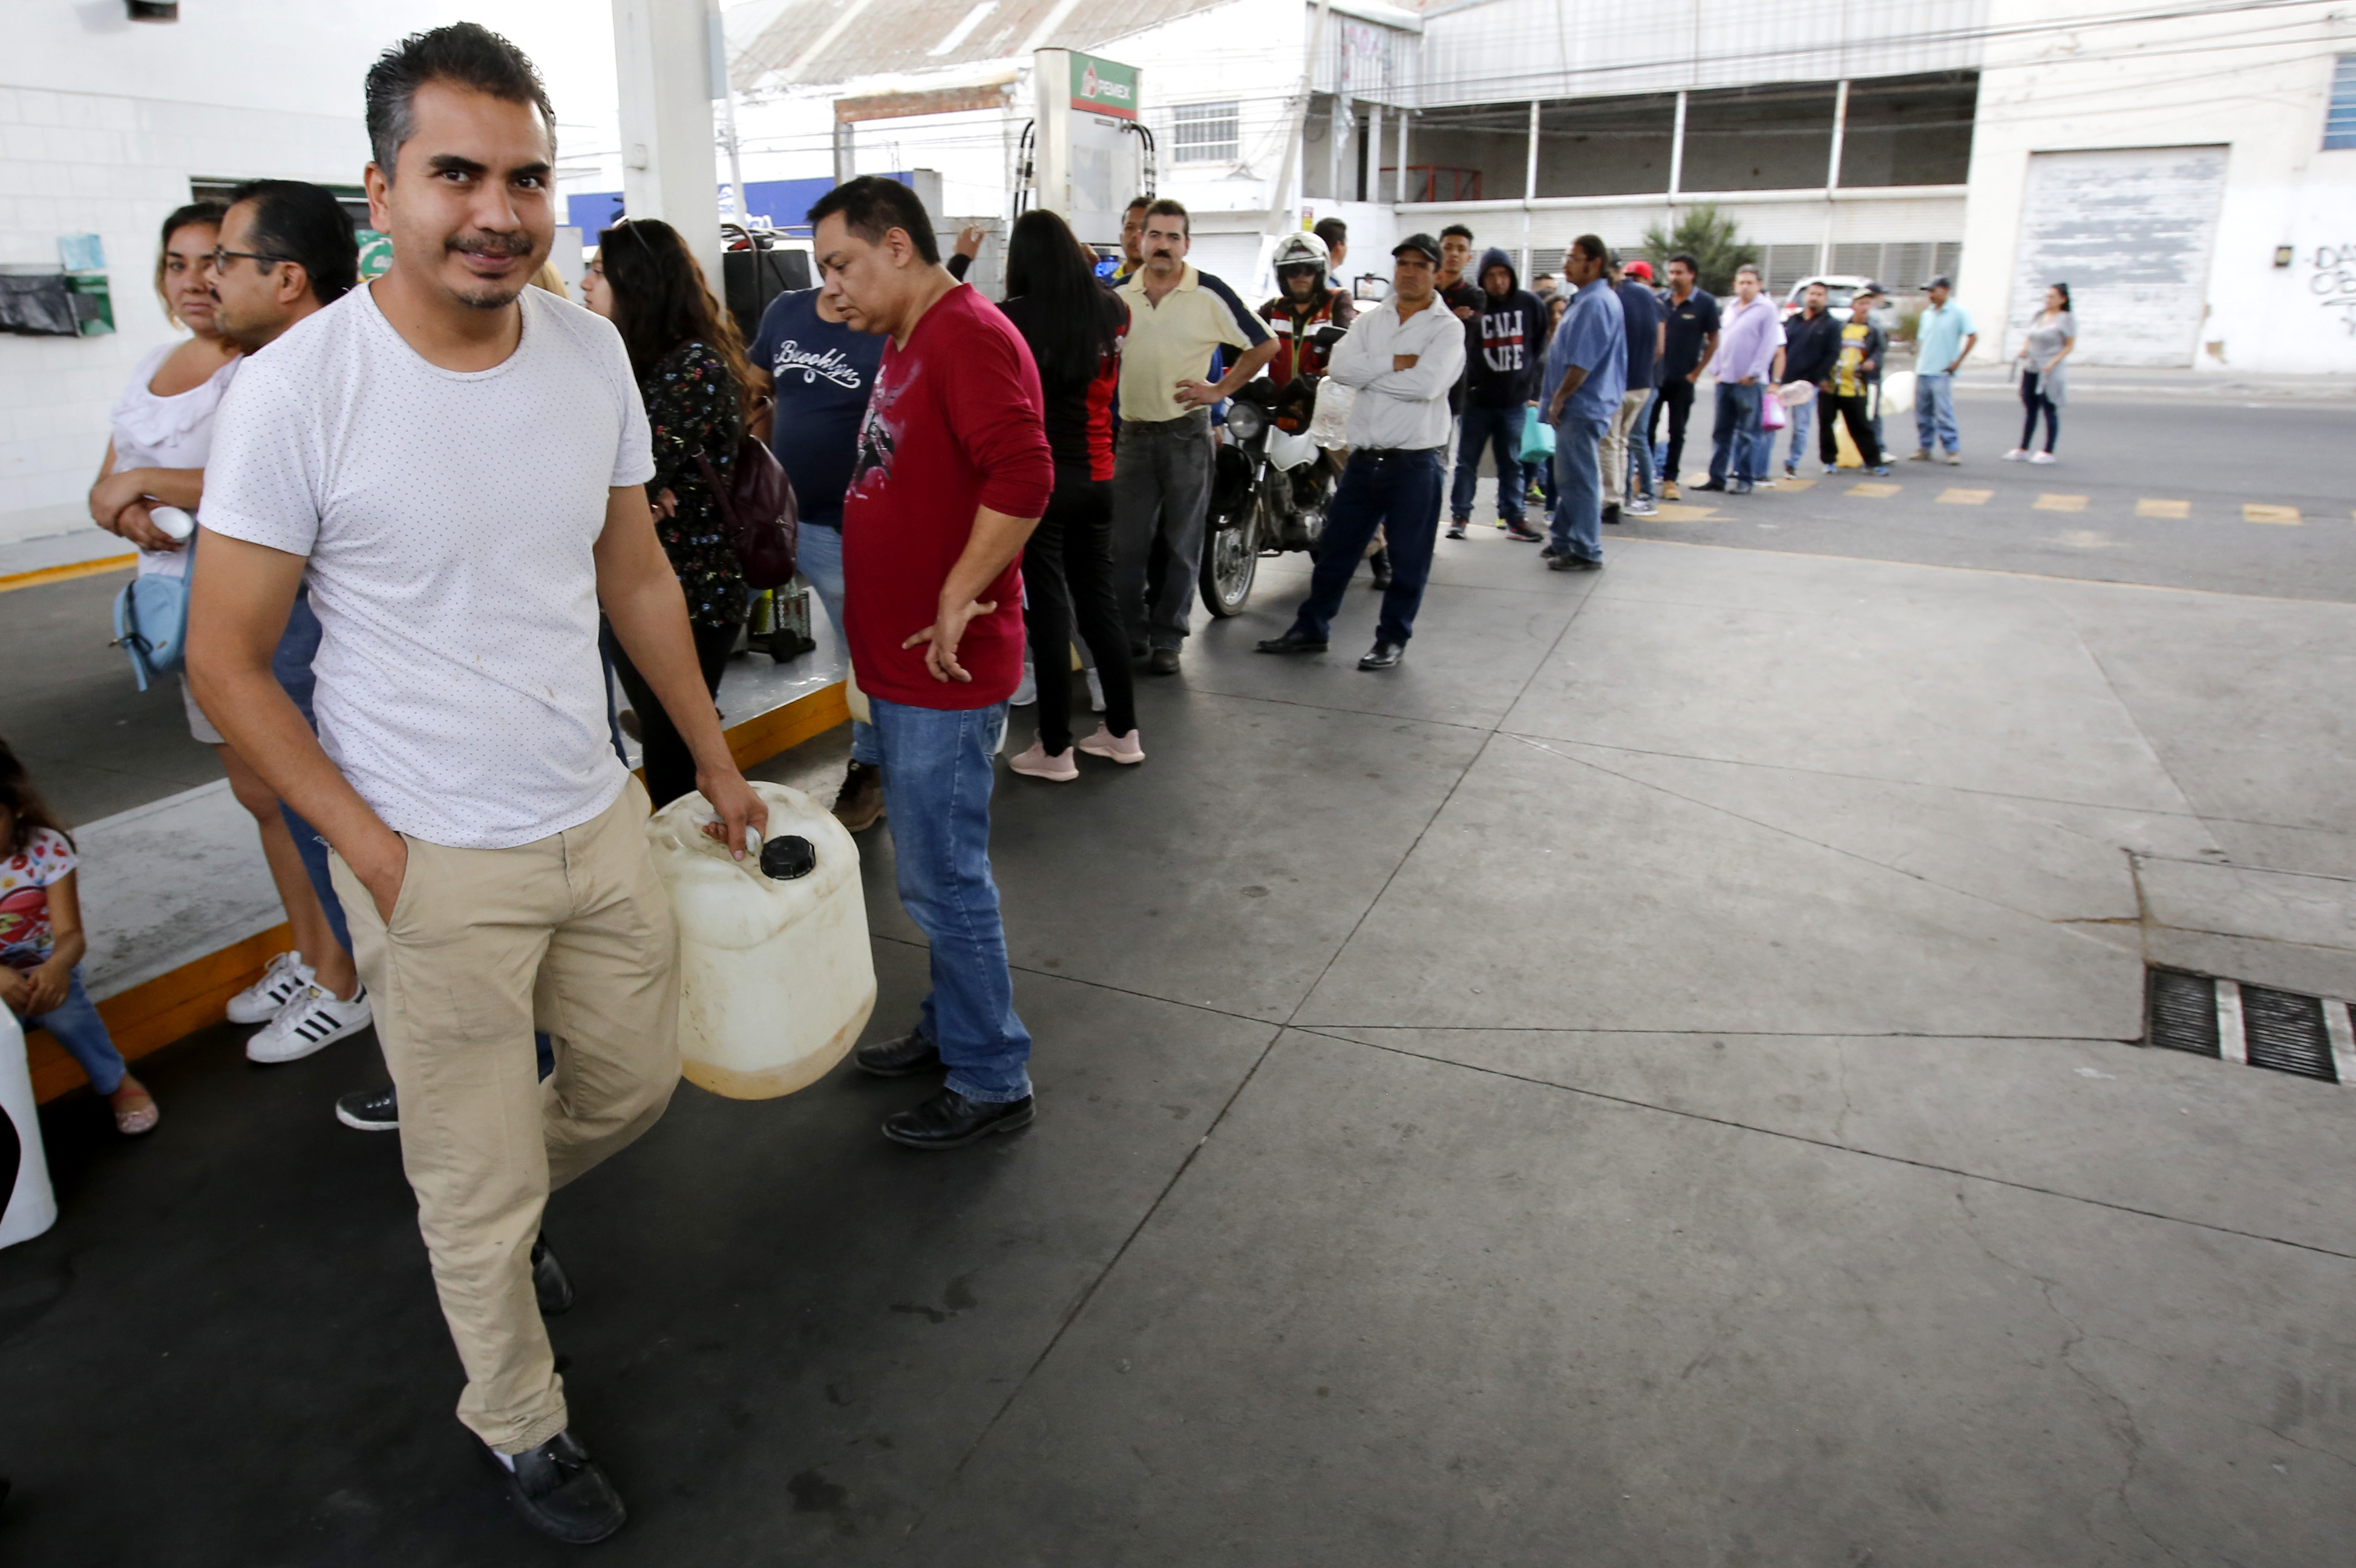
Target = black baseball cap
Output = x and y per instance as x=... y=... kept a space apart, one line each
x=1423 y=243
x=1871 y=291
x=1940 y=282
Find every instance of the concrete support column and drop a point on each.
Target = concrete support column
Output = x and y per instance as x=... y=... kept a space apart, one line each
x=1840 y=134
x=1530 y=174
x=662 y=57
x=1399 y=194
x=1677 y=150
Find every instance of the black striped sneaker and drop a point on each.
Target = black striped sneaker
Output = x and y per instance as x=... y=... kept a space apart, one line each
x=310 y=1019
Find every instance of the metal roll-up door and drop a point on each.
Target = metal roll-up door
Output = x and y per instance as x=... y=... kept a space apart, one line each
x=2130 y=230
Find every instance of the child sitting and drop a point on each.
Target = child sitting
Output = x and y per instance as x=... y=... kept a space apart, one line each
x=41 y=945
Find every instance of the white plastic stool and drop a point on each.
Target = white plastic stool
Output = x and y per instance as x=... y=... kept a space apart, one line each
x=32 y=1206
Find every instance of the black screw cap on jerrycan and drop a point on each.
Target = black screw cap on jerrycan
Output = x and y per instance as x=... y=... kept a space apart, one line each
x=784 y=859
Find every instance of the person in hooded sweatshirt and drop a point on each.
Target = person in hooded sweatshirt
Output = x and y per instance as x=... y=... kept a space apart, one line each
x=1505 y=347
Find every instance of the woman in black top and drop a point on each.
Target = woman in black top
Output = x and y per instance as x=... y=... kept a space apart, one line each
x=694 y=378
x=1074 y=327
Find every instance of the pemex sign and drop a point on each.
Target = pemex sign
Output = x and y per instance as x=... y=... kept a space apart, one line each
x=1103 y=86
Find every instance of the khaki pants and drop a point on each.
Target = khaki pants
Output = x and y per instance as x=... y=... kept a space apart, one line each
x=572 y=933
x=1615 y=444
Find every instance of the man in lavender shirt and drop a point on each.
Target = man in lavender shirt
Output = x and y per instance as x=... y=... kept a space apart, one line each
x=1751 y=339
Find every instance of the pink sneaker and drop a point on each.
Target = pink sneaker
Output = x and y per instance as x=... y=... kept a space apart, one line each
x=1038 y=763
x=1115 y=748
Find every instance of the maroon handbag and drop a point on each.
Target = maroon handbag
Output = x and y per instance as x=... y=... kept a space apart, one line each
x=759 y=510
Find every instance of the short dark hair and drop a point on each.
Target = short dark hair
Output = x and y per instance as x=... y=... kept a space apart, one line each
x=1135 y=204
x=872 y=206
x=296 y=221
x=1752 y=270
x=466 y=53
x=1332 y=230
x=1458 y=230
x=1592 y=247
x=1687 y=257
x=1164 y=207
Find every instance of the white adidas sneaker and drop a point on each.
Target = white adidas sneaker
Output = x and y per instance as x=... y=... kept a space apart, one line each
x=259 y=1002
x=311 y=1020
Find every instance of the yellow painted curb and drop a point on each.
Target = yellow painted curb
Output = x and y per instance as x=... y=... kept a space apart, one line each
x=66 y=573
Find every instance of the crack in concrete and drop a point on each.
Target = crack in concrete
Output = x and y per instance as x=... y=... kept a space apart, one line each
x=2124 y=1430
x=1787 y=832
x=2309 y=1448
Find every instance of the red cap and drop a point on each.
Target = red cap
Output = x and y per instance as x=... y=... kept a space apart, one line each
x=1641 y=270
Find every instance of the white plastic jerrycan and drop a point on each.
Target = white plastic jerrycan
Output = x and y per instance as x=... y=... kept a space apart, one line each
x=776 y=977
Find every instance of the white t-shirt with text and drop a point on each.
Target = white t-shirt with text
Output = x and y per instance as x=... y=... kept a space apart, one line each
x=448 y=517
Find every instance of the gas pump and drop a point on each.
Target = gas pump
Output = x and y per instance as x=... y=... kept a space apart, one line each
x=1088 y=151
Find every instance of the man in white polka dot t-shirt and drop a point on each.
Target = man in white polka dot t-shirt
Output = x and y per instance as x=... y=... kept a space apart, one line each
x=454 y=461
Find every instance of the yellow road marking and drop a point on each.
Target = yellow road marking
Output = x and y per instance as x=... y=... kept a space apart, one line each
x=1873 y=490
x=66 y=573
x=1672 y=512
x=1794 y=484
x=2147 y=508
x=1955 y=495
x=2251 y=512
x=2049 y=502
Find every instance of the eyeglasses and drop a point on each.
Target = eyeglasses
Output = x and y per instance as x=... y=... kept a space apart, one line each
x=221 y=257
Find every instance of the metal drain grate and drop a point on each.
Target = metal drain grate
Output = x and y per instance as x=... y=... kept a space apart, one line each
x=2179 y=1012
x=2311 y=1037
x=2286 y=1031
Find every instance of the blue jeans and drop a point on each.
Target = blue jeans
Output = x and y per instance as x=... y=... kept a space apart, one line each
x=822 y=562
x=1934 y=411
x=1799 y=447
x=74 y=1023
x=1501 y=430
x=1643 y=460
x=298 y=646
x=938 y=772
x=1577 y=527
x=1734 y=435
x=1397 y=492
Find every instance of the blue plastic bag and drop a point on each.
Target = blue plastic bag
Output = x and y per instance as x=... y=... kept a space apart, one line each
x=1538 y=440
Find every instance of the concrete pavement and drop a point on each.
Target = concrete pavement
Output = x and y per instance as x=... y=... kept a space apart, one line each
x=1649 y=1081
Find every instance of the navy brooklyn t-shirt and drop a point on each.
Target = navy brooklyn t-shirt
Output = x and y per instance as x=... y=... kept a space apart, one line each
x=822 y=370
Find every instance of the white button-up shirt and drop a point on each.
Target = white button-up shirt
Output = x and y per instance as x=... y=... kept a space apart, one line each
x=1400 y=410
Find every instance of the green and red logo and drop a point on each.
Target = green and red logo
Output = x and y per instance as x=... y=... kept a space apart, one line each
x=1103 y=86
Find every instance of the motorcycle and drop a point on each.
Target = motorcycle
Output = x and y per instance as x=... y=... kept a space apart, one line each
x=1271 y=484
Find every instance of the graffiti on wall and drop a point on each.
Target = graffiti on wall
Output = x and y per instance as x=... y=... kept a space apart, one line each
x=2332 y=280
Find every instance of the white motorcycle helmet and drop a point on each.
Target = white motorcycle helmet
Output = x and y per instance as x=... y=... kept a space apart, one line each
x=1302 y=250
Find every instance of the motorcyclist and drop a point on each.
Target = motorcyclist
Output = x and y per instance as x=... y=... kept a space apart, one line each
x=1307 y=302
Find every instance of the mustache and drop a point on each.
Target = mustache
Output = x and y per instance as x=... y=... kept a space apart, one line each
x=490 y=244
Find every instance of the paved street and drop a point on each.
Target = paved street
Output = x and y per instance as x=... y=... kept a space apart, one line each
x=1654 y=1080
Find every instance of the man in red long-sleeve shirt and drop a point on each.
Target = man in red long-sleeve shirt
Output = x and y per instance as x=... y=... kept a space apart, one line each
x=953 y=471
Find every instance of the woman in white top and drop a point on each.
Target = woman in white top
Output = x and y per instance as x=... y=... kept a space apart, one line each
x=163 y=432
x=2042 y=386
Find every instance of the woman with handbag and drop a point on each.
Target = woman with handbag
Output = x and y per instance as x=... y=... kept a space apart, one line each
x=695 y=381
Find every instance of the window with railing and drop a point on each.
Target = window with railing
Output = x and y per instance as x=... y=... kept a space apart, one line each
x=1205 y=132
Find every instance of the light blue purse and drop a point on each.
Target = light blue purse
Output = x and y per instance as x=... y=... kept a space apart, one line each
x=151 y=624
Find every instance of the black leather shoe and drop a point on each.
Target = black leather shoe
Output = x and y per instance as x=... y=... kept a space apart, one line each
x=1611 y=513
x=1379 y=563
x=1289 y=643
x=949 y=1120
x=562 y=1493
x=1712 y=484
x=911 y=1053
x=549 y=1281
x=1382 y=655
x=1162 y=661
x=1573 y=563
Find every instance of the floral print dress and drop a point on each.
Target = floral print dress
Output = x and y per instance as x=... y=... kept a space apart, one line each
x=692 y=410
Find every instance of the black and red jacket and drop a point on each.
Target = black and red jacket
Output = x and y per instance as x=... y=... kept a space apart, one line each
x=1295 y=327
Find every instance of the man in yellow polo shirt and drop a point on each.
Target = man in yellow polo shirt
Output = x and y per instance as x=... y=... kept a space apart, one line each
x=1179 y=317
